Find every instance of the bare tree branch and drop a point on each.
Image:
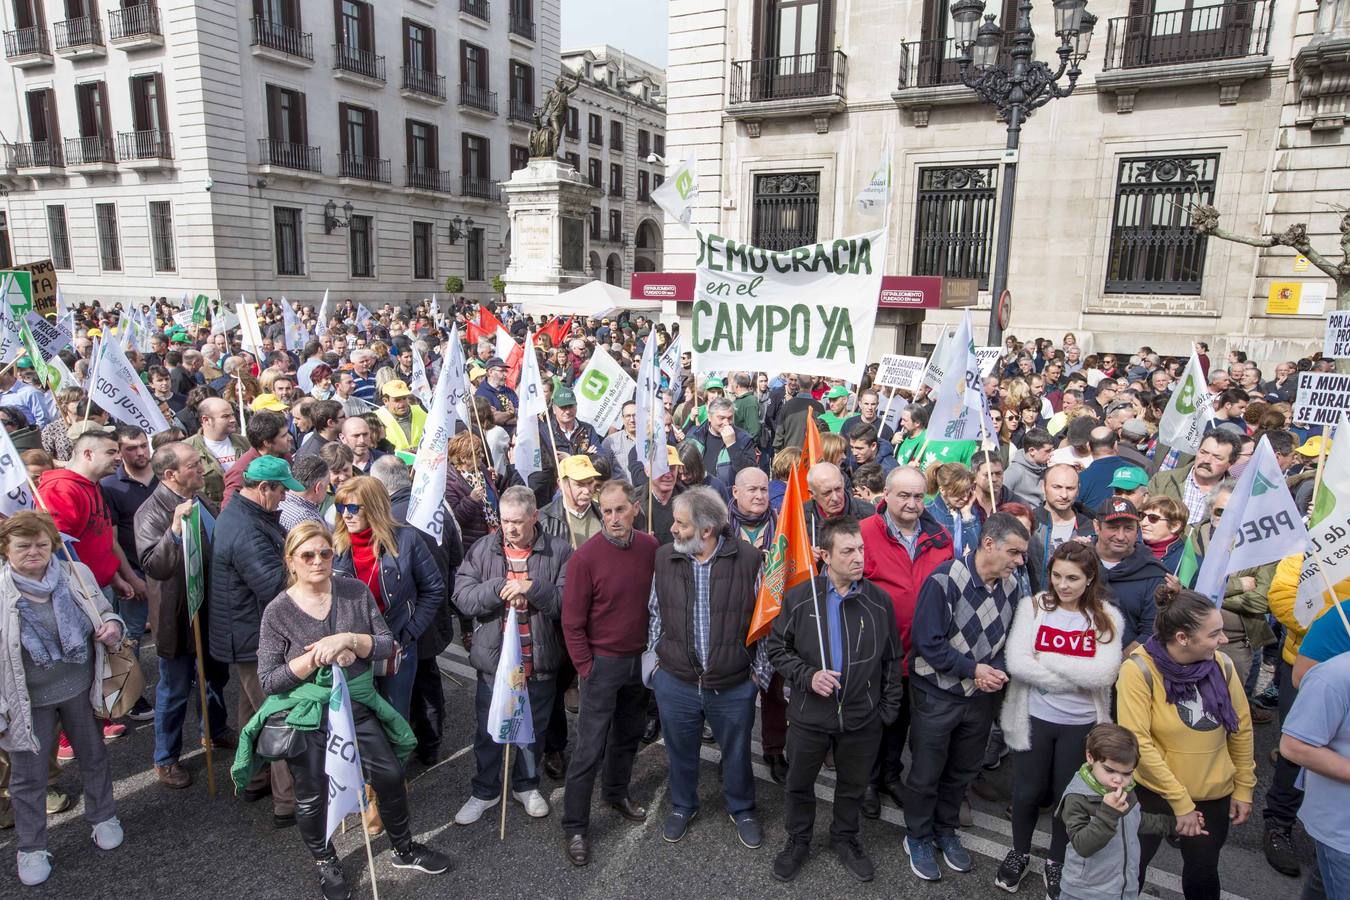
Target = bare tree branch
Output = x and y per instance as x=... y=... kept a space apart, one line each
x=1205 y=219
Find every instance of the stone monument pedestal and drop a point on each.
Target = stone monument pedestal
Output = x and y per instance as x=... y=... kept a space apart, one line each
x=548 y=203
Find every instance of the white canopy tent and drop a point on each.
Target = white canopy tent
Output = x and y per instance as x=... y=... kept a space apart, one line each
x=593 y=299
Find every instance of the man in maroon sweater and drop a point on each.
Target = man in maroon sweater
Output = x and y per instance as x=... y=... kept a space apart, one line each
x=604 y=622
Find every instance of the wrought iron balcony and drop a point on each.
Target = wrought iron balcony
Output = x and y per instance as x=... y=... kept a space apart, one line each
x=425 y=179
x=283 y=39
x=133 y=21
x=478 y=187
x=34 y=155
x=289 y=156
x=522 y=26
x=934 y=63
x=358 y=62
x=521 y=111
x=27 y=42
x=479 y=9
x=478 y=98
x=1197 y=34
x=91 y=150
x=789 y=77
x=74 y=34
x=428 y=84
x=149 y=144
x=363 y=168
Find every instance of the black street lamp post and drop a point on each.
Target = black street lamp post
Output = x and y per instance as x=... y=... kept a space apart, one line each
x=1016 y=87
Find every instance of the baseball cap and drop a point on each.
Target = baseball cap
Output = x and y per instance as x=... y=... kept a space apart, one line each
x=396 y=388
x=272 y=468
x=715 y=384
x=1117 y=508
x=1134 y=429
x=837 y=391
x=1118 y=406
x=563 y=396
x=180 y=337
x=577 y=467
x=495 y=363
x=270 y=403
x=1312 y=446
x=476 y=371
x=1129 y=478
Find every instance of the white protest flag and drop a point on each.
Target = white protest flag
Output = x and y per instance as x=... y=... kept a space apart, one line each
x=342 y=757
x=679 y=191
x=1329 y=534
x=672 y=368
x=932 y=373
x=1188 y=412
x=293 y=331
x=11 y=334
x=426 y=508
x=530 y=389
x=875 y=197
x=250 y=332
x=509 y=720
x=321 y=326
x=363 y=318
x=119 y=390
x=15 y=494
x=602 y=390
x=60 y=304
x=435 y=309
x=60 y=374
x=651 y=415
x=1259 y=525
x=959 y=410
x=421 y=384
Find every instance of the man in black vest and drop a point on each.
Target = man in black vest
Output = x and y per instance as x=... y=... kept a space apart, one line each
x=699 y=666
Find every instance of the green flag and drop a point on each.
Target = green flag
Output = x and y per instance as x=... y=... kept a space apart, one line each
x=201 y=310
x=193 y=564
x=1189 y=565
x=34 y=354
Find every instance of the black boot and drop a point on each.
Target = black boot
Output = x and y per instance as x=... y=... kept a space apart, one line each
x=332 y=881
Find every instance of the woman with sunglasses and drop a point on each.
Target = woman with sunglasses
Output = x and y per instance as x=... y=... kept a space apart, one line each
x=1163 y=528
x=392 y=561
x=319 y=621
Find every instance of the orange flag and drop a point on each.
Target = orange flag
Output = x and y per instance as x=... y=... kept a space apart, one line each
x=789 y=559
x=811 y=444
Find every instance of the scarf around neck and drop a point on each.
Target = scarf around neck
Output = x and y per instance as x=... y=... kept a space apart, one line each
x=1182 y=680
x=70 y=643
x=1085 y=773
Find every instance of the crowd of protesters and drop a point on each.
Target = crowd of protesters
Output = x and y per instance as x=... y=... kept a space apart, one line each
x=1024 y=600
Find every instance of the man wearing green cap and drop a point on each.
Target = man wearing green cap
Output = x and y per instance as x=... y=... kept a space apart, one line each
x=836 y=398
x=567 y=435
x=713 y=388
x=248 y=570
x=1131 y=482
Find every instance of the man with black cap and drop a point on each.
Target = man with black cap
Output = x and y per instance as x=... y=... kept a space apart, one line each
x=1129 y=568
x=402 y=420
x=504 y=400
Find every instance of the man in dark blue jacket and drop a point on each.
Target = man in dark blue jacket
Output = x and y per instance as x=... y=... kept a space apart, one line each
x=1129 y=568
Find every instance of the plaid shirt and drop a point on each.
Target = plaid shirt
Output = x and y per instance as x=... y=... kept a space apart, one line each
x=761 y=668
x=1193 y=498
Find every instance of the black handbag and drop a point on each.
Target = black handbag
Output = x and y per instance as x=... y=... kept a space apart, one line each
x=277 y=740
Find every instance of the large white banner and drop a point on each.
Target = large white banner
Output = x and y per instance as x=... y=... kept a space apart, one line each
x=602 y=390
x=809 y=310
x=1328 y=561
x=426 y=507
x=530 y=392
x=1321 y=398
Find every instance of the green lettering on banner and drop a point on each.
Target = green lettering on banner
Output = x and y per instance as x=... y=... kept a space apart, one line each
x=702 y=248
x=801 y=259
x=759 y=260
x=838 y=333
x=722 y=330
x=777 y=321
x=799 y=338
x=748 y=317
x=712 y=254
x=862 y=262
x=840 y=268
x=700 y=309
x=821 y=256
x=736 y=254
x=781 y=263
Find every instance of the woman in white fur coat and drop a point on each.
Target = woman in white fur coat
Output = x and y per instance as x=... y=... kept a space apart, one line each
x=1063 y=655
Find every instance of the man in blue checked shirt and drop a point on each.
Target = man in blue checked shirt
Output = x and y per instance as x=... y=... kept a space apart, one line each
x=704 y=591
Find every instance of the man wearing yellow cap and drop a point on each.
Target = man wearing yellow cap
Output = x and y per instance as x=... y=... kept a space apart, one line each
x=402 y=421
x=572 y=515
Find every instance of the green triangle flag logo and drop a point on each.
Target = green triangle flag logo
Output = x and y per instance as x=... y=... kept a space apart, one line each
x=1261 y=484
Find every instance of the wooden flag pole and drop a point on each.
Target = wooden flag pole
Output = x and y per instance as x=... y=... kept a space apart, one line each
x=988 y=470
x=506 y=784
x=370 y=856
x=206 y=721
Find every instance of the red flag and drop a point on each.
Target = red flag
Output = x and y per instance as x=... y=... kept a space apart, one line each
x=556 y=330
x=485 y=329
x=513 y=364
x=788 y=563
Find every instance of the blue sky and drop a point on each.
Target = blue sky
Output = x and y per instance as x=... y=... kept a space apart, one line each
x=638 y=26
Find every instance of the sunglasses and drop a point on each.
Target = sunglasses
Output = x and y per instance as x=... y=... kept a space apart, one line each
x=1154 y=518
x=308 y=556
x=347 y=509
x=1217 y=512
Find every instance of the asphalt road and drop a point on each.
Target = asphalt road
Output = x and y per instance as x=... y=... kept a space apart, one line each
x=187 y=844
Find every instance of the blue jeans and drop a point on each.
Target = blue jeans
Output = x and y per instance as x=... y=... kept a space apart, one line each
x=731 y=713
x=487 y=753
x=1334 y=867
x=398 y=688
x=173 y=695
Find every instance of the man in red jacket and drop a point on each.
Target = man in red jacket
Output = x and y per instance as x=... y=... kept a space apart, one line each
x=902 y=545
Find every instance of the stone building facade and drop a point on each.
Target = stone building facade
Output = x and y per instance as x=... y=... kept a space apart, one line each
x=788 y=103
x=267 y=147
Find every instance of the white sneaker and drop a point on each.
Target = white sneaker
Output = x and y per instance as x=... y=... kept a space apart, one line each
x=536 y=807
x=473 y=810
x=35 y=866
x=108 y=834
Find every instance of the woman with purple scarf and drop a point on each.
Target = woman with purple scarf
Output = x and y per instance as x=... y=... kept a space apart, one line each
x=1185 y=704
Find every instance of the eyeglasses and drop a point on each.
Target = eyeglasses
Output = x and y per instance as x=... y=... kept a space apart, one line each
x=309 y=556
x=1154 y=518
x=347 y=509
